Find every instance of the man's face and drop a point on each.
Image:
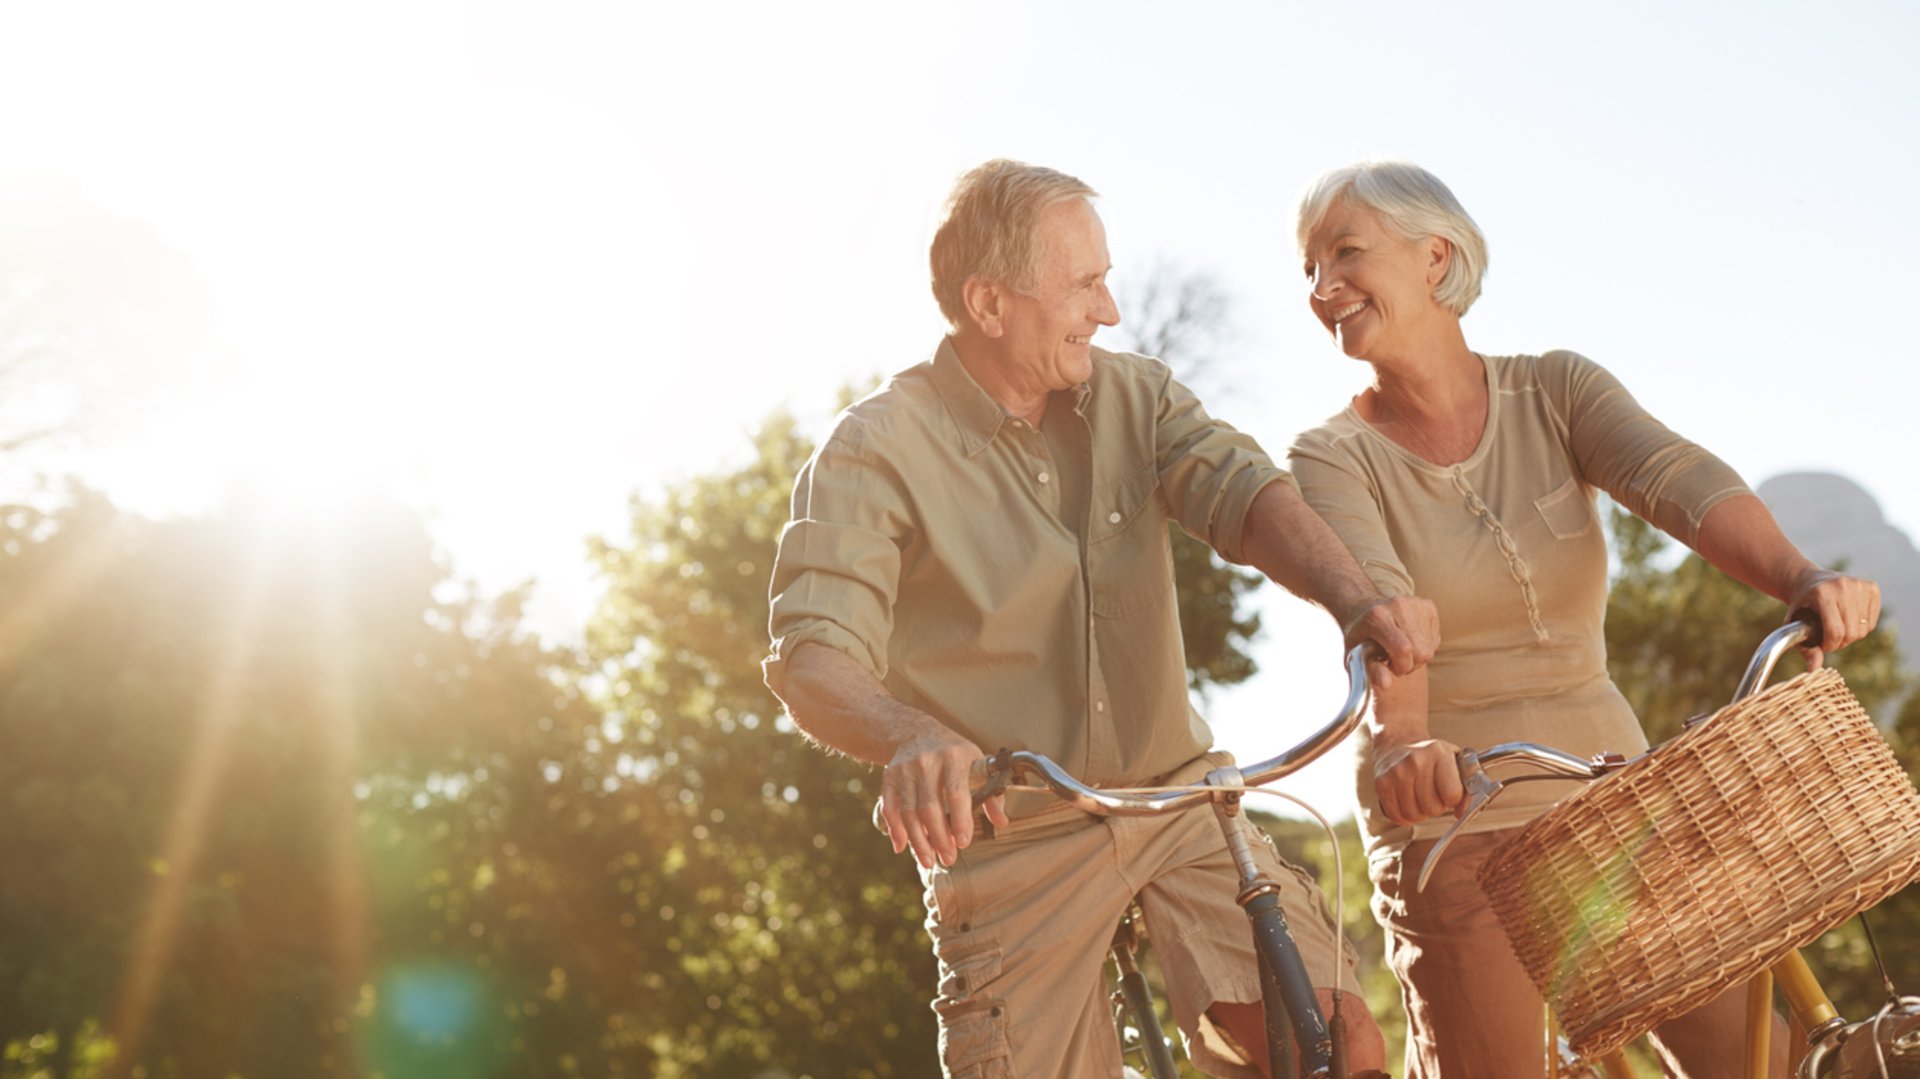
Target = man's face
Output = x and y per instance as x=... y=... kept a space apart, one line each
x=1049 y=336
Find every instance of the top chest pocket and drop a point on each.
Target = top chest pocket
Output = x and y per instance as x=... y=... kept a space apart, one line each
x=1130 y=564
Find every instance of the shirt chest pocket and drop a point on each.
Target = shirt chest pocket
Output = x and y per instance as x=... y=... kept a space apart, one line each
x=1568 y=511
x=1129 y=563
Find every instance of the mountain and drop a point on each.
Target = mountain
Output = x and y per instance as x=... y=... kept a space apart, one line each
x=1833 y=519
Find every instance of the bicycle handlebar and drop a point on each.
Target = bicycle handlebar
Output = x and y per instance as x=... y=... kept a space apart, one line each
x=1013 y=764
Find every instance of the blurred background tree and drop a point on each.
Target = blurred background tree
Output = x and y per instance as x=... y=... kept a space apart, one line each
x=229 y=751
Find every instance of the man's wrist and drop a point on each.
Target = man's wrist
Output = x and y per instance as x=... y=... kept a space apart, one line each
x=1359 y=610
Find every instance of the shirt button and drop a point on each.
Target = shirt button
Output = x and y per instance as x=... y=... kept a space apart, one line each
x=1099 y=706
x=1113 y=518
x=1042 y=477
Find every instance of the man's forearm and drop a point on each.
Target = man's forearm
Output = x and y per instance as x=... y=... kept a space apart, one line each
x=924 y=801
x=841 y=705
x=1287 y=541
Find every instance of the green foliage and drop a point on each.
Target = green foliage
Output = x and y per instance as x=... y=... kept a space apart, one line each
x=204 y=728
x=1679 y=636
x=794 y=929
x=1215 y=629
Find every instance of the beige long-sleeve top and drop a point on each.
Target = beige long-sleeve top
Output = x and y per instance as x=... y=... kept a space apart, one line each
x=1016 y=583
x=1508 y=545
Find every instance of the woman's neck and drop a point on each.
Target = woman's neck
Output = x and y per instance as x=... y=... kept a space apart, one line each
x=1435 y=406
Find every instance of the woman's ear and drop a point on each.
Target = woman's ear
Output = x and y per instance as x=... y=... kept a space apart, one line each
x=1439 y=259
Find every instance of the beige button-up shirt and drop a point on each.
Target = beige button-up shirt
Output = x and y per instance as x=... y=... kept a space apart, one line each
x=1014 y=583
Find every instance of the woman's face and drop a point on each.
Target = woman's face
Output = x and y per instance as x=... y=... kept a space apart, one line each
x=1372 y=290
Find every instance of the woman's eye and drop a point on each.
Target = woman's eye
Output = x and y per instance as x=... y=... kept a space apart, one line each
x=1345 y=251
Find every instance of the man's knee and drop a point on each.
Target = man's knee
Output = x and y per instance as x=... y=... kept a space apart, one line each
x=1246 y=1024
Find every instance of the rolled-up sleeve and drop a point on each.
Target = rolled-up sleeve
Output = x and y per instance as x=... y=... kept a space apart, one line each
x=1622 y=450
x=1210 y=471
x=1351 y=507
x=837 y=570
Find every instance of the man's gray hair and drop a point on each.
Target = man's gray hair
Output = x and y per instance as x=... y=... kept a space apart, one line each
x=1413 y=204
x=988 y=229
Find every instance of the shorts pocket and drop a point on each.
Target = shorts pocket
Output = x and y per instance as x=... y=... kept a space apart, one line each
x=966 y=967
x=1568 y=511
x=973 y=1043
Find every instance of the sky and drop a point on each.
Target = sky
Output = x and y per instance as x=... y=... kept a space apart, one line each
x=517 y=262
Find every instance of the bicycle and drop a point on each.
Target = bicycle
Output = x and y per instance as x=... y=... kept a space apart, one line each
x=1584 y=980
x=1293 y=1014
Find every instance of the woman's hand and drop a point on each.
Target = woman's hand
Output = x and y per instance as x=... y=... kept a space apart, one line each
x=1417 y=780
x=1849 y=608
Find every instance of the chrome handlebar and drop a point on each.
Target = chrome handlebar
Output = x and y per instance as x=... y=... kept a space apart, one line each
x=1015 y=764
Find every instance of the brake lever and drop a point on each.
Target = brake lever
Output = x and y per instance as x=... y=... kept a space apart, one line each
x=1481 y=789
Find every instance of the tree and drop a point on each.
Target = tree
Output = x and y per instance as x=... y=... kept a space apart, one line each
x=794 y=930
x=1182 y=316
x=234 y=759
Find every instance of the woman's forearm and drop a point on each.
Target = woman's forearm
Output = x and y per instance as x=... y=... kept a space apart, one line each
x=1740 y=538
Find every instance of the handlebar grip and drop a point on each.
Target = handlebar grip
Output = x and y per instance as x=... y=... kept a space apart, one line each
x=978 y=773
x=1810 y=618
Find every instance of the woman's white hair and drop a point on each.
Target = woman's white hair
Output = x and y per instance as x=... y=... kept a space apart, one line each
x=1413 y=204
x=988 y=229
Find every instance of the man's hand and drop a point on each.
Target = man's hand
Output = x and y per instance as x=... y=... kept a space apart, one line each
x=924 y=799
x=1418 y=780
x=1407 y=630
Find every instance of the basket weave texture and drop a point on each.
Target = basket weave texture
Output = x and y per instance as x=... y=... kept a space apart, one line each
x=1705 y=862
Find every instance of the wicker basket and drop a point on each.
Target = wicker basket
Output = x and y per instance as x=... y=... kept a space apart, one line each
x=1706 y=861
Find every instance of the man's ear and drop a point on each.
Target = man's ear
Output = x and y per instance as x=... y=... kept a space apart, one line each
x=983 y=300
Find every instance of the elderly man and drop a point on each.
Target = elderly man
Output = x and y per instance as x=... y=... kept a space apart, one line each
x=978 y=558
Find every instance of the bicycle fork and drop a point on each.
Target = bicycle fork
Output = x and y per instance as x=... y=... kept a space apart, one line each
x=1293 y=1015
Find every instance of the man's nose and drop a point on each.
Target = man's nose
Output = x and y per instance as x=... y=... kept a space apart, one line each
x=1106 y=312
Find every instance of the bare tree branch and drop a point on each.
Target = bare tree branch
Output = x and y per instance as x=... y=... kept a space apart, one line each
x=1181 y=316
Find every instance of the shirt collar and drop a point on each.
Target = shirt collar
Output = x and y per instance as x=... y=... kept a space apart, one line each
x=977 y=414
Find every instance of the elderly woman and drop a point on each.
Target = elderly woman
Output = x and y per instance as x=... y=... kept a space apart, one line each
x=1470 y=480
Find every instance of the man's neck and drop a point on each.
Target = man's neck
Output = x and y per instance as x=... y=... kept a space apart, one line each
x=993 y=372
